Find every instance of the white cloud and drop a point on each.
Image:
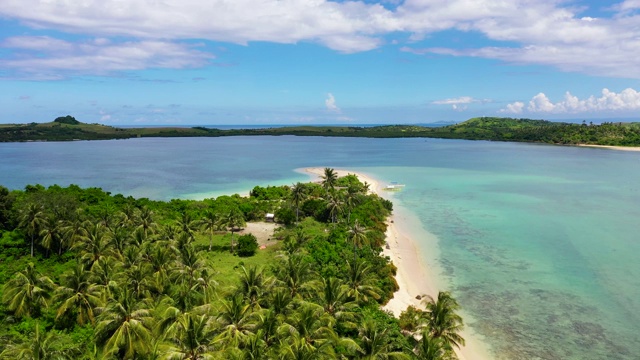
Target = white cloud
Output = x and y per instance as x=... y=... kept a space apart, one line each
x=460 y=100
x=551 y=33
x=460 y=103
x=514 y=108
x=42 y=54
x=348 y=27
x=330 y=103
x=609 y=101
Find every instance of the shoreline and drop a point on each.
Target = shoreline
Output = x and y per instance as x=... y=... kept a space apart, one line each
x=413 y=275
x=611 y=147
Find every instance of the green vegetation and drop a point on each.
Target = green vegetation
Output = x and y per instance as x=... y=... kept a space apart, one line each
x=91 y=275
x=484 y=128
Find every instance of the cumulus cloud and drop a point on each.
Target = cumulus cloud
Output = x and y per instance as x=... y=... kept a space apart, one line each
x=349 y=26
x=330 y=103
x=41 y=54
x=626 y=100
x=551 y=33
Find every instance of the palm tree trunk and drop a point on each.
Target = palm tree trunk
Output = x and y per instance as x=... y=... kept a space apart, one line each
x=210 y=239
x=32 y=245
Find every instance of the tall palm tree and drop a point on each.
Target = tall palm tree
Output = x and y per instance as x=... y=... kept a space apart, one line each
x=211 y=223
x=187 y=224
x=329 y=179
x=441 y=320
x=352 y=198
x=375 y=344
x=429 y=348
x=233 y=220
x=311 y=324
x=31 y=220
x=145 y=221
x=189 y=337
x=253 y=285
x=295 y=274
x=335 y=206
x=334 y=299
x=41 y=345
x=235 y=318
x=27 y=292
x=79 y=295
x=51 y=234
x=122 y=329
x=298 y=195
x=358 y=236
x=73 y=229
x=361 y=282
x=93 y=245
x=294 y=241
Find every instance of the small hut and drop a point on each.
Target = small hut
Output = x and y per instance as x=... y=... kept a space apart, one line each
x=269 y=217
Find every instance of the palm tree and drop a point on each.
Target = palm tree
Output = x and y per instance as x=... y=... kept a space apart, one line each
x=310 y=324
x=351 y=199
x=375 y=343
x=189 y=337
x=235 y=319
x=211 y=223
x=441 y=320
x=73 y=229
x=298 y=195
x=358 y=236
x=27 y=292
x=334 y=205
x=32 y=219
x=51 y=234
x=429 y=348
x=334 y=299
x=233 y=220
x=361 y=282
x=40 y=346
x=93 y=245
x=122 y=328
x=253 y=284
x=145 y=221
x=329 y=179
x=294 y=241
x=78 y=294
x=187 y=224
x=295 y=274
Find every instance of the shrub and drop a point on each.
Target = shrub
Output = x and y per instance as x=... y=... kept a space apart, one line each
x=247 y=245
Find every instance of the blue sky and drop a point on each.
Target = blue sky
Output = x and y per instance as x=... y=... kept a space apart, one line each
x=317 y=61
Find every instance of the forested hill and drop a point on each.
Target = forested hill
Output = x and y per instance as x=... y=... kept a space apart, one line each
x=484 y=128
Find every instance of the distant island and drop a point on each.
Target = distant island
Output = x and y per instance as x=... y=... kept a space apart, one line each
x=67 y=128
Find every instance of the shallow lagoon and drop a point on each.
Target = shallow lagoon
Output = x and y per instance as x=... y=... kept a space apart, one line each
x=539 y=243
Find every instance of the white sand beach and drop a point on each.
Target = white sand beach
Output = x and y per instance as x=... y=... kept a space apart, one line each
x=414 y=277
x=621 y=148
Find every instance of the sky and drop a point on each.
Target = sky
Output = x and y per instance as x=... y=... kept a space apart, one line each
x=192 y=62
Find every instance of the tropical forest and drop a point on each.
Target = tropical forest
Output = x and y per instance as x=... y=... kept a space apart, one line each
x=87 y=274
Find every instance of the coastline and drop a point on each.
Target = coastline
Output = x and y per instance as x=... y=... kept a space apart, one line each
x=414 y=276
x=611 y=147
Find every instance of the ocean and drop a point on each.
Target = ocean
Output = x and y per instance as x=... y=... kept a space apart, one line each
x=539 y=243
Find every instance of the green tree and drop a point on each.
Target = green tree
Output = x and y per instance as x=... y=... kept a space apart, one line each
x=210 y=222
x=122 y=329
x=429 y=348
x=41 y=345
x=233 y=220
x=78 y=295
x=27 y=292
x=298 y=195
x=189 y=337
x=361 y=282
x=358 y=236
x=375 y=344
x=32 y=218
x=247 y=245
x=442 y=321
x=329 y=179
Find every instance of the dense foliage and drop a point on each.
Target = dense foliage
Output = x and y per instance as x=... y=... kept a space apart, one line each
x=484 y=128
x=91 y=275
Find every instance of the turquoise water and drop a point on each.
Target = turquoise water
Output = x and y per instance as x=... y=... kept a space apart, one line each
x=539 y=243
